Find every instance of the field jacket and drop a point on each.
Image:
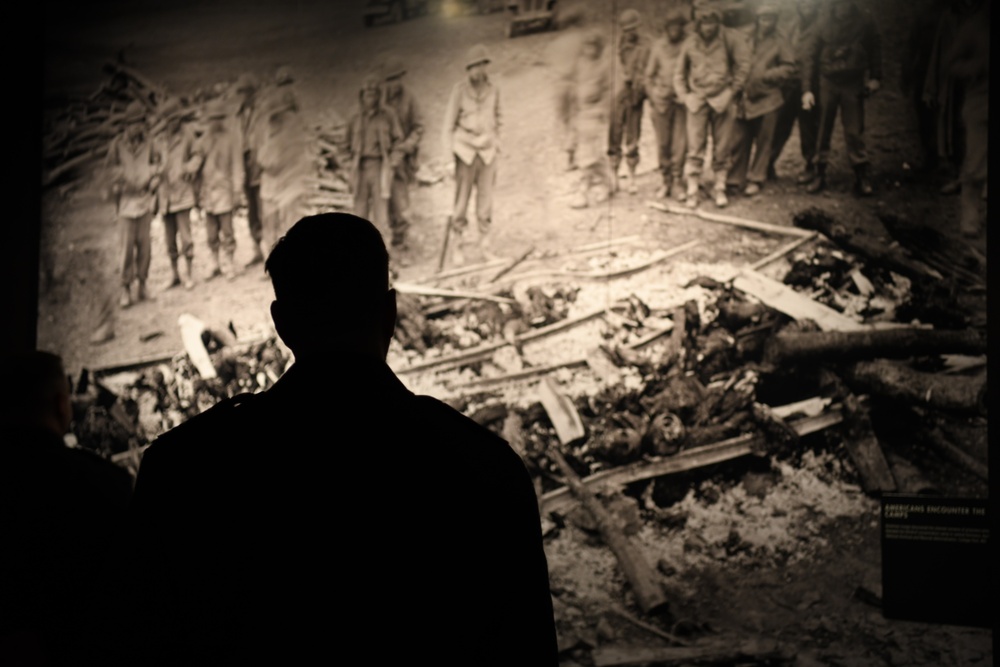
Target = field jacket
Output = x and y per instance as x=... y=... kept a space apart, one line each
x=771 y=63
x=843 y=51
x=132 y=167
x=712 y=73
x=659 y=74
x=472 y=122
x=181 y=161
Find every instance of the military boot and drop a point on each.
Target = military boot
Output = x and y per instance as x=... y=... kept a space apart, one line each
x=819 y=182
x=141 y=294
x=230 y=265
x=188 y=274
x=863 y=181
x=633 y=188
x=175 y=276
x=125 y=300
x=216 y=267
x=807 y=175
x=258 y=256
x=691 y=198
x=721 y=200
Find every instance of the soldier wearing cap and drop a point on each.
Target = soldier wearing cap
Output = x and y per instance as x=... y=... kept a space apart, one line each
x=372 y=136
x=626 y=121
x=846 y=53
x=399 y=99
x=134 y=168
x=181 y=162
x=667 y=111
x=772 y=62
x=472 y=134
x=804 y=25
x=711 y=73
x=247 y=87
x=220 y=184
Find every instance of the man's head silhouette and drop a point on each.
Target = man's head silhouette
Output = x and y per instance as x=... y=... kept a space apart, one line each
x=330 y=274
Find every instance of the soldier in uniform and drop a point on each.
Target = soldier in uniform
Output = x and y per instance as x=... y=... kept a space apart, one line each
x=134 y=165
x=221 y=185
x=711 y=73
x=626 y=121
x=399 y=99
x=667 y=111
x=181 y=162
x=592 y=104
x=247 y=87
x=472 y=135
x=771 y=62
x=804 y=25
x=372 y=135
x=846 y=51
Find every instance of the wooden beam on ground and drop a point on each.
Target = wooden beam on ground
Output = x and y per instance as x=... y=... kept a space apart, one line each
x=560 y=500
x=511 y=265
x=413 y=288
x=731 y=220
x=755 y=651
x=783 y=250
x=897 y=381
x=786 y=300
x=864 y=448
x=607 y=275
x=563 y=415
x=191 y=331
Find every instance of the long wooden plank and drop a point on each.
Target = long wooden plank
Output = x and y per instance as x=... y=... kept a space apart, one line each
x=561 y=499
x=717 y=652
x=731 y=220
x=783 y=298
x=191 y=331
x=607 y=275
x=413 y=288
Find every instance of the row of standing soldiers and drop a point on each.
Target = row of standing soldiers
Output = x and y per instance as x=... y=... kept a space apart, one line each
x=745 y=90
x=247 y=150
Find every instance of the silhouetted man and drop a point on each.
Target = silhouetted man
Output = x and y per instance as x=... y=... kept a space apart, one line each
x=59 y=507
x=337 y=506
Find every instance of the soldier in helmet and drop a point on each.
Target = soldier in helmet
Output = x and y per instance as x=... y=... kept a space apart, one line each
x=134 y=167
x=711 y=73
x=472 y=134
x=399 y=99
x=772 y=61
x=626 y=122
x=221 y=185
x=372 y=137
x=667 y=111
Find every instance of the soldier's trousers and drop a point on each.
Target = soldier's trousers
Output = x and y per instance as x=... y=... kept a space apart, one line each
x=177 y=225
x=135 y=248
x=483 y=177
x=399 y=207
x=255 y=213
x=847 y=98
x=752 y=142
x=626 y=124
x=368 y=200
x=702 y=124
x=219 y=229
x=671 y=138
x=808 y=121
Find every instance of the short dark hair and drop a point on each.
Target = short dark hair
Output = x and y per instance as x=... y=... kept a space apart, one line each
x=329 y=264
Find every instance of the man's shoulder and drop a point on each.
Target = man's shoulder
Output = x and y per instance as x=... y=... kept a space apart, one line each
x=220 y=418
x=452 y=426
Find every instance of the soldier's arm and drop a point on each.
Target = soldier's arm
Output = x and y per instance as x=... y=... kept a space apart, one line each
x=783 y=67
x=741 y=61
x=652 y=63
x=450 y=119
x=412 y=141
x=874 y=48
x=810 y=50
x=681 y=71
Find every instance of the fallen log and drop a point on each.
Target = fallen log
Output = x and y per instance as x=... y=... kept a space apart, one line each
x=897 y=381
x=643 y=579
x=877 y=251
x=853 y=345
x=754 y=651
x=561 y=499
x=731 y=220
x=864 y=448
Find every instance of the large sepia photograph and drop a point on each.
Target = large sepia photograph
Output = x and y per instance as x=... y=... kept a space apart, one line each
x=715 y=271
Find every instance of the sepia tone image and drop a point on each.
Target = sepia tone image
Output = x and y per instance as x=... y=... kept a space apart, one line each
x=715 y=271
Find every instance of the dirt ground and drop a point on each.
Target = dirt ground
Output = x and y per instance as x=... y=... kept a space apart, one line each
x=798 y=586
